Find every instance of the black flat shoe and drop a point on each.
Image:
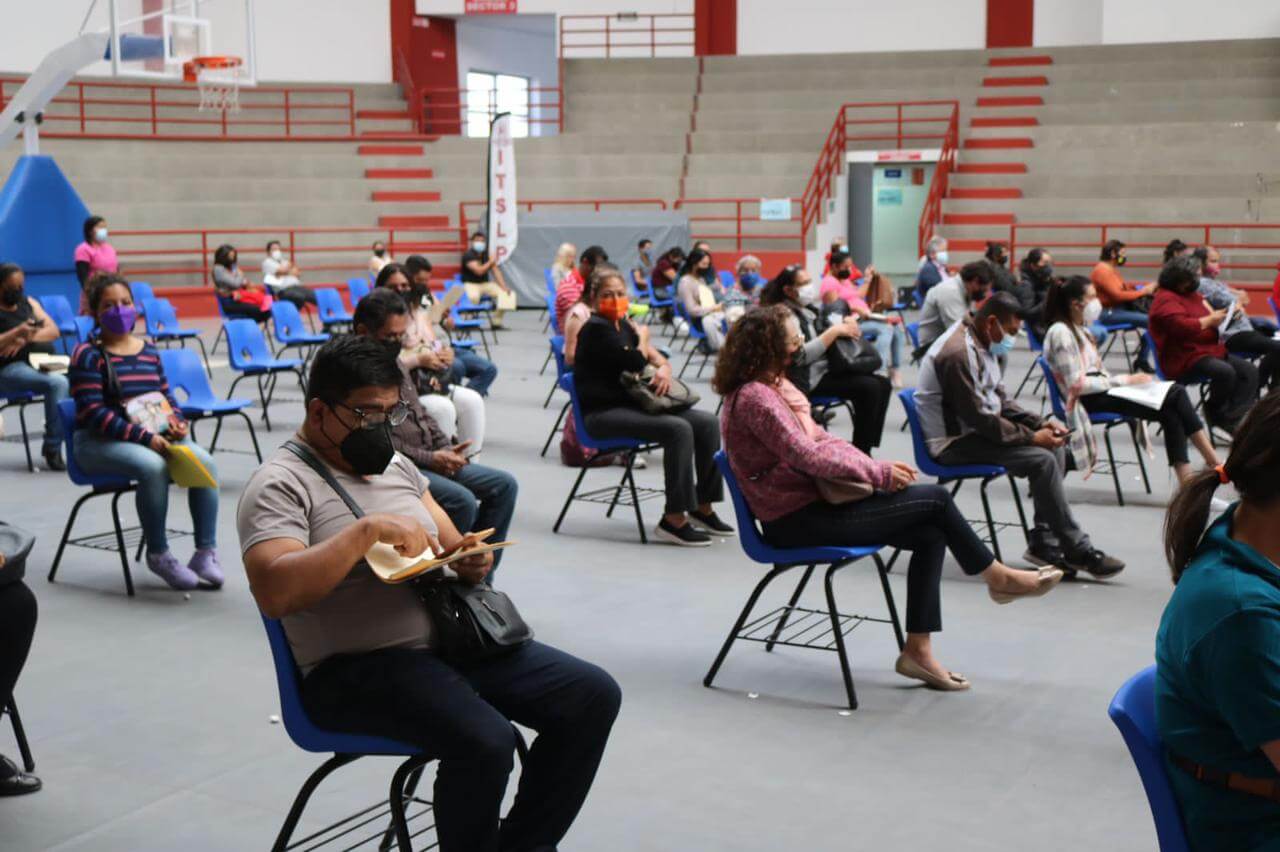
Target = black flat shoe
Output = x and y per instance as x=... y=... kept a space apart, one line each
x=15 y=782
x=53 y=459
x=710 y=523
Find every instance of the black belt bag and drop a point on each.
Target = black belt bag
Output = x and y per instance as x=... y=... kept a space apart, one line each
x=472 y=622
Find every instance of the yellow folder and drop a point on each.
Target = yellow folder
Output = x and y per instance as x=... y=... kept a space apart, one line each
x=186 y=469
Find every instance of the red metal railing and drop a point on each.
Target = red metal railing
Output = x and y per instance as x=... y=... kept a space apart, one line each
x=466 y=221
x=712 y=225
x=447 y=110
x=626 y=34
x=411 y=92
x=904 y=123
x=931 y=212
x=171 y=111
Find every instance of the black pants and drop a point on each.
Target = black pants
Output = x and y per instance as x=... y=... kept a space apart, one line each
x=17 y=626
x=463 y=717
x=870 y=397
x=1233 y=388
x=1255 y=342
x=1177 y=416
x=243 y=310
x=921 y=518
x=689 y=443
x=295 y=293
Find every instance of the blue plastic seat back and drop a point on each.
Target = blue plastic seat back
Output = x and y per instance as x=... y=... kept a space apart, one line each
x=161 y=318
x=1055 y=397
x=1133 y=710
x=67 y=417
x=141 y=292
x=550 y=278
x=329 y=302
x=59 y=310
x=584 y=437
x=1033 y=339
x=557 y=352
x=1155 y=356
x=551 y=310
x=84 y=328
x=913 y=331
x=695 y=327
x=1275 y=309
x=285 y=320
x=726 y=279
x=357 y=289
x=184 y=372
x=246 y=346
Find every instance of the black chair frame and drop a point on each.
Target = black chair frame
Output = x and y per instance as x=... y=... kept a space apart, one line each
x=21 y=404
x=613 y=494
x=993 y=526
x=564 y=410
x=1113 y=467
x=819 y=629
x=19 y=734
x=217 y=430
x=267 y=387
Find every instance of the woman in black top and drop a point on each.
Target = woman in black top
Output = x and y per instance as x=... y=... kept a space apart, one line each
x=609 y=345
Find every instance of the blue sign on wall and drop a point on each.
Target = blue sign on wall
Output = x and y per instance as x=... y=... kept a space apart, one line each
x=893 y=173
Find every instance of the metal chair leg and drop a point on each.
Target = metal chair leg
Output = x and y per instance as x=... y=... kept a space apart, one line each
x=66 y=533
x=545 y=362
x=410 y=788
x=304 y=795
x=222 y=332
x=20 y=734
x=569 y=499
x=883 y=571
x=555 y=429
x=1026 y=377
x=253 y=435
x=635 y=498
x=838 y=628
x=1022 y=515
x=124 y=553
x=786 y=613
x=204 y=355
x=396 y=801
x=742 y=619
x=991 y=523
x=617 y=492
x=217 y=430
x=26 y=439
x=554 y=386
x=1111 y=460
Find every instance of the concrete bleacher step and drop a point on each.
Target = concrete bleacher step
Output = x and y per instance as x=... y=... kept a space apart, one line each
x=991 y=168
x=999 y=142
x=1014 y=101
x=405 y=195
x=1036 y=80
x=398 y=174
x=1007 y=61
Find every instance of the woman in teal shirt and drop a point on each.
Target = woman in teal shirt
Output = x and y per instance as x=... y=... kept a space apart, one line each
x=1218 y=648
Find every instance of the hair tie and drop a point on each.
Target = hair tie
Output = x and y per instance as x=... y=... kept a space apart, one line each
x=1222 y=474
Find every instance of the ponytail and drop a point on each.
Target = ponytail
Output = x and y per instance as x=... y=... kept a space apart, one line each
x=1186 y=519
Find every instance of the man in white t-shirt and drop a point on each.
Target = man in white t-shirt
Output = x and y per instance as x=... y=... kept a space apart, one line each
x=282 y=277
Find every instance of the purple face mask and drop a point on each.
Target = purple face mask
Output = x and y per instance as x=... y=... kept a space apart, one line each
x=119 y=319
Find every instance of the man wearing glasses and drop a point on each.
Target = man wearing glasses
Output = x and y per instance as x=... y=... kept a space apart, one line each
x=365 y=647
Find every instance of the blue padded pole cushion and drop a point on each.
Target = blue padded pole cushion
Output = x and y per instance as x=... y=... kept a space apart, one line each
x=41 y=223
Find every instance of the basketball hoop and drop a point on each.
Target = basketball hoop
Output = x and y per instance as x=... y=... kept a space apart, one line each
x=218 y=79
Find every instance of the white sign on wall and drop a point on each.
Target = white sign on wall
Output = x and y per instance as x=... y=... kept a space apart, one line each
x=775 y=209
x=502 y=232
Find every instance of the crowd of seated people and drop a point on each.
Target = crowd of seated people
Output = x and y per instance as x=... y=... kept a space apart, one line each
x=237 y=296
x=1249 y=337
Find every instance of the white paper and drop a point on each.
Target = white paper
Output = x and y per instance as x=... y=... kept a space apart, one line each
x=1150 y=395
x=1232 y=310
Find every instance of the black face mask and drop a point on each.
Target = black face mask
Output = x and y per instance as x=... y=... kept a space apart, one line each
x=379 y=252
x=419 y=291
x=11 y=298
x=842 y=274
x=368 y=451
x=393 y=347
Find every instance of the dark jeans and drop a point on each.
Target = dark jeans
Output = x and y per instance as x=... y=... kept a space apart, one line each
x=494 y=489
x=1177 y=416
x=689 y=441
x=1054 y=523
x=870 y=398
x=296 y=293
x=17 y=626
x=477 y=370
x=463 y=717
x=920 y=518
x=1249 y=343
x=243 y=310
x=1137 y=318
x=1233 y=388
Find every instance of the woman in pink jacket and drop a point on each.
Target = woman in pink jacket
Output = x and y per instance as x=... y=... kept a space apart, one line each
x=777 y=453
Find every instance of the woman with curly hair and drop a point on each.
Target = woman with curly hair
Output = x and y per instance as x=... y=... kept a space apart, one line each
x=779 y=456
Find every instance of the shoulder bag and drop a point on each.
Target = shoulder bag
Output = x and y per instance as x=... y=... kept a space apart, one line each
x=853 y=357
x=472 y=622
x=636 y=383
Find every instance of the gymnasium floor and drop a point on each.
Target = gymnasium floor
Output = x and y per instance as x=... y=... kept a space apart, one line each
x=150 y=718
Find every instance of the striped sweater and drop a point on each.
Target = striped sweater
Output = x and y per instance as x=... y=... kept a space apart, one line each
x=137 y=374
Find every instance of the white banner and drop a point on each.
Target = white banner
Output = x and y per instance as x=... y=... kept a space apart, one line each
x=502 y=189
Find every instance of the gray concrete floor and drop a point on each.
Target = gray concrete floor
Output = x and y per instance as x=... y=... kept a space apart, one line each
x=150 y=717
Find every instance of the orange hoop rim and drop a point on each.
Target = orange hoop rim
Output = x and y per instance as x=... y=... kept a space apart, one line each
x=191 y=69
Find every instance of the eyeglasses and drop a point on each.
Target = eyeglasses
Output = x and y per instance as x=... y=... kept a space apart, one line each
x=373 y=419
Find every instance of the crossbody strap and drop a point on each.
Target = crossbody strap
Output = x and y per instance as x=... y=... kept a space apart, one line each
x=318 y=466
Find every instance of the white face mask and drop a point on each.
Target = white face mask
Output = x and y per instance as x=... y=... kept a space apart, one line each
x=809 y=293
x=276 y=254
x=942 y=256
x=100 y=234
x=478 y=245
x=1092 y=310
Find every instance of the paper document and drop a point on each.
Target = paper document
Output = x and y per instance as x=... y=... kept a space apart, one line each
x=505 y=301
x=391 y=567
x=1150 y=395
x=441 y=305
x=186 y=469
x=46 y=363
x=1232 y=310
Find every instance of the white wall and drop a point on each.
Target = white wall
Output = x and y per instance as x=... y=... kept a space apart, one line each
x=523 y=45
x=297 y=40
x=855 y=26
x=1063 y=22
x=1135 y=21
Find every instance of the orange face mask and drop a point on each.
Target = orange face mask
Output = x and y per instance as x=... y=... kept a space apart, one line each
x=614 y=307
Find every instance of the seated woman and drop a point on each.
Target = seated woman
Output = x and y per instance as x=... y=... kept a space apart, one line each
x=1190 y=349
x=1083 y=382
x=749 y=278
x=283 y=279
x=1217 y=681
x=1243 y=335
x=464 y=363
x=778 y=454
x=703 y=303
x=94 y=256
x=871 y=310
x=565 y=261
x=379 y=257
x=665 y=272
x=457 y=410
x=809 y=371
x=238 y=298
x=609 y=345
x=107 y=373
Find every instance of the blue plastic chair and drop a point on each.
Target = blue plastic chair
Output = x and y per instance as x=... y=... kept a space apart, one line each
x=1133 y=710
x=250 y=357
x=463 y=328
x=142 y=292
x=1121 y=331
x=357 y=289
x=84 y=328
x=1037 y=348
x=20 y=400
x=628 y=447
x=1108 y=420
x=550 y=282
x=726 y=279
x=656 y=305
x=768 y=628
x=183 y=372
x=332 y=311
x=557 y=353
x=697 y=337
x=957 y=475
x=1275 y=309
x=163 y=327
x=345 y=749
x=550 y=311
x=59 y=310
x=101 y=486
x=291 y=332
x=1203 y=384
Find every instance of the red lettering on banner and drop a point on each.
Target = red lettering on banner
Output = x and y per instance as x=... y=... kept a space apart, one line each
x=499 y=178
x=910 y=156
x=500 y=231
x=500 y=204
x=490 y=7
x=500 y=254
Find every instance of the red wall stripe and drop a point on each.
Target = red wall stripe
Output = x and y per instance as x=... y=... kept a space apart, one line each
x=715 y=27
x=1010 y=23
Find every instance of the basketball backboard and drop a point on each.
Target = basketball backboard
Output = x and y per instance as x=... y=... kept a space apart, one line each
x=155 y=38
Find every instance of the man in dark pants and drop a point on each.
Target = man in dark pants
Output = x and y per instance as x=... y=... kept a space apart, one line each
x=365 y=647
x=17 y=626
x=456 y=483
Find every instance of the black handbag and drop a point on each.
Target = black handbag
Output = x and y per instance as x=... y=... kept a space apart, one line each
x=677 y=398
x=472 y=622
x=854 y=357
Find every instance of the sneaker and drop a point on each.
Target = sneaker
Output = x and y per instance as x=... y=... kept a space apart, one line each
x=167 y=567
x=1045 y=555
x=204 y=564
x=1095 y=562
x=685 y=536
x=710 y=523
x=53 y=459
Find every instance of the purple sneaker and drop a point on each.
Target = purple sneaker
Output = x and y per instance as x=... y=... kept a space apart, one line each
x=204 y=563
x=168 y=568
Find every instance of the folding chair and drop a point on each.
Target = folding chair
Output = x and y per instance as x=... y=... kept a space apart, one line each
x=19 y=734
x=142 y=292
x=1133 y=710
x=550 y=324
x=59 y=310
x=333 y=314
x=20 y=400
x=290 y=333
x=251 y=358
x=1037 y=347
x=163 y=327
x=959 y=474
x=183 y=373
x=810 y=628
x=699 y=339
x=629 y=447
x=1108 y=420
x=357 y=289
x=122 y=537
x=557 y=352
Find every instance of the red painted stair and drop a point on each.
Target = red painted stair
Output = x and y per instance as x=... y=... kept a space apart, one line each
x=413 y=221
x=1007 y=61
x=1015 y=81
x=398 y=174
x=977 y=218
x=390 y=150
x=1005 y=121
x=1011 y=101
x=1000 y=142
x=991 y=168
x=403 y=195
x=396 y=134
x=984 y=192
